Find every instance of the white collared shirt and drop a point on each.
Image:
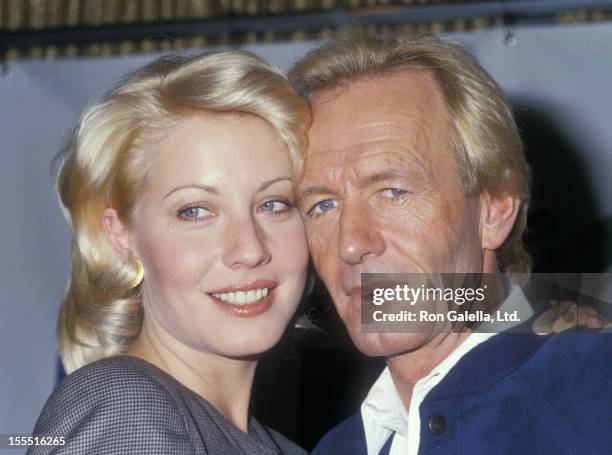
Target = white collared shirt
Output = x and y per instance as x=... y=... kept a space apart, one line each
x=383 y=411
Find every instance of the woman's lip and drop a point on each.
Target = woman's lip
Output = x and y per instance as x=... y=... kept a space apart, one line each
x=257 y=284
x=247 y=310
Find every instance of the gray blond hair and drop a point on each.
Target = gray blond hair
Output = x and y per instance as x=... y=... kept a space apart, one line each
x=489 y=149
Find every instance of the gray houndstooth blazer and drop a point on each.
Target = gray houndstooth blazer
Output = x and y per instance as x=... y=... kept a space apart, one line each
x=124 y=405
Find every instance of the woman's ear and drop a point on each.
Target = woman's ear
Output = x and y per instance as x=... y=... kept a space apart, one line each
x=116 y=232
x=498 y=215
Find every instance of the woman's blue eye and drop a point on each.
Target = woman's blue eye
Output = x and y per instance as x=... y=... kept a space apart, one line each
x=323 y=206
x=193 y=213
x=274 y=206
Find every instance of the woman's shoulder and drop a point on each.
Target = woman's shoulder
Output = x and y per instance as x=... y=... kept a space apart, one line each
x=121 y=370
x=126 y=380
x=117 y=403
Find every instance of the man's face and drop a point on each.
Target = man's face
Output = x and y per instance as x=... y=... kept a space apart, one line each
x=381 y=193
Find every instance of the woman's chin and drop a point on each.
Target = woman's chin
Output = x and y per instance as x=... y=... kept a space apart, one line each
x=252 y=346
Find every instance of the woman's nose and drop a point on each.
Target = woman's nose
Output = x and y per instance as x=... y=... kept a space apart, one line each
x=245 y=244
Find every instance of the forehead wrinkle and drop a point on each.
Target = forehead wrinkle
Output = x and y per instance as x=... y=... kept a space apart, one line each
x=354 y=150
x=396 y=166
x=364 y=170
x=349 y=135
x=362 y=159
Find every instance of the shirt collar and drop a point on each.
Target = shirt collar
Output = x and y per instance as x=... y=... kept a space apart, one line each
x=383 y=411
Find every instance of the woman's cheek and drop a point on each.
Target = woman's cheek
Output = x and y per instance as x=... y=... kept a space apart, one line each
x=179 y=259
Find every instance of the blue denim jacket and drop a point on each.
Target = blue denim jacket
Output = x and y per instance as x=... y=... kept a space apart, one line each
x=513 y=394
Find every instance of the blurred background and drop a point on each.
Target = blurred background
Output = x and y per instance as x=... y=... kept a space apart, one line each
x=552 y=57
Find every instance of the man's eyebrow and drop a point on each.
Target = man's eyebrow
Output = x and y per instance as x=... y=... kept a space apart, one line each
x=312 y=191
x=366 y=180
x=376 y=177
x=207 y=188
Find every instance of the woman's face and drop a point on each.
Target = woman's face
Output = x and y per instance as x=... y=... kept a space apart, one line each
x=222 y=246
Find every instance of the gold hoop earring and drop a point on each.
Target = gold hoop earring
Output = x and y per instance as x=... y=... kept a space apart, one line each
x=139 y=273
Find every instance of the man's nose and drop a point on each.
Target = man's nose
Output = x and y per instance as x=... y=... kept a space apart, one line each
x=245 y=244
x=358 y=236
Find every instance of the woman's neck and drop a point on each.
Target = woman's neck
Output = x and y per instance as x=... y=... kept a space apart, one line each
x=225 y=382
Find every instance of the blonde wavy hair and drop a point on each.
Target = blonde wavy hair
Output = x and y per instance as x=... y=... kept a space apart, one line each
x=489 y=148
x=106 y=164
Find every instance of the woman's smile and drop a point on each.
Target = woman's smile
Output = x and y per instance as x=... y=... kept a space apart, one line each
x=246 y=300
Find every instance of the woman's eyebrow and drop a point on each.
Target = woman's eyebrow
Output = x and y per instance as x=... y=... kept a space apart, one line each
x=213 y=190
x=268 y=183
x=208 y=188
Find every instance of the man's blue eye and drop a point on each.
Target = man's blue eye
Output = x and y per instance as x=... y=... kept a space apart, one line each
x=324 y=206
x=396 y=193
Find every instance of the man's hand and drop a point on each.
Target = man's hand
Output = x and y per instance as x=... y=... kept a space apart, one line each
x=565 y=315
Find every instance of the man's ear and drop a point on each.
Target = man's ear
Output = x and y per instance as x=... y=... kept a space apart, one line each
x=117 y=232
x=498 y=215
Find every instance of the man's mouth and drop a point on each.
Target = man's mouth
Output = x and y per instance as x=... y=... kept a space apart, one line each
x=366 y=290
x=356 y=296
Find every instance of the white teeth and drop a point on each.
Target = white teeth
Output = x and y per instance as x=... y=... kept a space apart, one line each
x=242 y=298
